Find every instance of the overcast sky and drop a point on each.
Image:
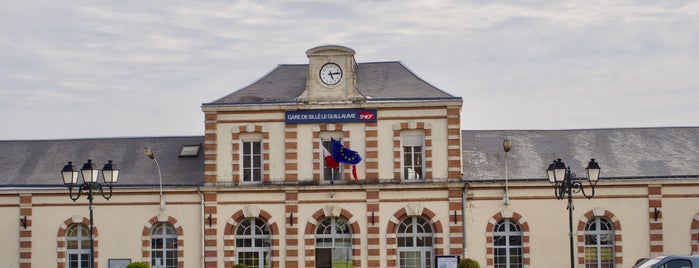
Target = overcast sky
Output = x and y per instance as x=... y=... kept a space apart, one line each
x=80 y=69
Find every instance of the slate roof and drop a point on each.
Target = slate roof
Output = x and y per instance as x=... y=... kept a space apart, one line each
x=379 y=81
x=38 y=162
x=621 y=153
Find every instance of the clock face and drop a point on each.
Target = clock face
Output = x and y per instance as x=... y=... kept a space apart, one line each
x=330 y=73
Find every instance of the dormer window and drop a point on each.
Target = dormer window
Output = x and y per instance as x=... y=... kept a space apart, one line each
x=190 y=150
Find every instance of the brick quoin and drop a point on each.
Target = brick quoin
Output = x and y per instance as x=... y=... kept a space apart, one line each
x=655 y=201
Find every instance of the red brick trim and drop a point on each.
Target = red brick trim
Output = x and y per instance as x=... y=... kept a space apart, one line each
x=61 y=240
x=229 y=237
x=309 y=236
x=373 y=228
x=210 y=229
x=490 y=229
x=398 y=149
x=456 y=226
x=694 y=234
x=145 y=239
x=291 y=165
x=371 y=158
x=454 y=142
x=25 y=232
x=392 y=228
x=291 y=215
x=317 y=172
x=655 y=203
x=618 y=256
x=235 y=148
x=210 y=146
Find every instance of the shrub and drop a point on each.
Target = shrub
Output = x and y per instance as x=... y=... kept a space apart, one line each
x=138 y=265
x=468 y=263
x=240 y=265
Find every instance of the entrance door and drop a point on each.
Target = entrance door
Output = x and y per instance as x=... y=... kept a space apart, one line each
x=324 y=258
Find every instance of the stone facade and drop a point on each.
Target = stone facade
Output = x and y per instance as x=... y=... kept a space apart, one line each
x=260 y=168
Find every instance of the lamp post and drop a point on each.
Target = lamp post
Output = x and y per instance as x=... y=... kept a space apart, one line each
x=506 y=146
x=148 y=152
x=90 y=186
x=565 y=184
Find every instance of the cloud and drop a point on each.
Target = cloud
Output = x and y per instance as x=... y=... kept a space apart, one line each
x=509 y=60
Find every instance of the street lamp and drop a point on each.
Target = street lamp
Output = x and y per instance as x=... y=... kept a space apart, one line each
x=506 y=146
x=565 y=184
x=90 y=186
x=148 y=152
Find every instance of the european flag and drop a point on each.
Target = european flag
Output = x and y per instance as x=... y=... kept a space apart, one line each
x=344 y=155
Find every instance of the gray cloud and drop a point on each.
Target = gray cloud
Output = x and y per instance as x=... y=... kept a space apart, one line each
x=134 y=68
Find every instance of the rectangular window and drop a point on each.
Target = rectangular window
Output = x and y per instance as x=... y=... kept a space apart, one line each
x=163 y=257
x=78 y=260
x=413 y=158
x=410 y=259
x=332 y=171
x=252 y=161
x=251 y=259
x=601 y=257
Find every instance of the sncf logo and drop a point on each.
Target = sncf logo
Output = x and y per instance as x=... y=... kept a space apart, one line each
x=366 y=115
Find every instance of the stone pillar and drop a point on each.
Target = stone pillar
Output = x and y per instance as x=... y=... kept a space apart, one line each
x=655 y=219
x=292 y=229
x=291 y=165
x=456 y=226
x=371 y=159
x=210 y=147
x=25 y=233
x=210 y=230
x=373 y=228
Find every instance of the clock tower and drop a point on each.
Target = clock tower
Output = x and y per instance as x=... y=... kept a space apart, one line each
x=332 y=76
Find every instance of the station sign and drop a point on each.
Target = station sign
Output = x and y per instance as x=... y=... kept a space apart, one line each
x=330 y=116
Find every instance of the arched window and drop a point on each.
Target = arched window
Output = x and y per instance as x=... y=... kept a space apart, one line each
x=694 y=234
x=599 y=243
x=507 y=244
x=78 y=246
x=163 y=246
x=333 y=243
x=415 y=240
x=252 y=243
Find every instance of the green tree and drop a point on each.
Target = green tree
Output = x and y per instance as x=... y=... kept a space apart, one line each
x=138 y=265
x=468 y=263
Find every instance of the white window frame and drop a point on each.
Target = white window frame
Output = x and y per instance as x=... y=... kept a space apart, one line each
x=334 y=233
x=598 y=229
x=325 y=144
x=78 y=257
x=503 y=233
x=252 y=236
x=251 y=163
x=413 y=141
x=415 y=236
x=166 y=234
